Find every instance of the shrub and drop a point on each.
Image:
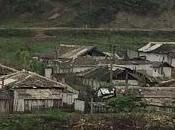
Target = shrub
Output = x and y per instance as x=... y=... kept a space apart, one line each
x=54 y=115
x=125 y=103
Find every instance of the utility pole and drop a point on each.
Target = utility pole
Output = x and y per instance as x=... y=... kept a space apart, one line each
x=111 y=63
x=126 y=78
x=91 y=112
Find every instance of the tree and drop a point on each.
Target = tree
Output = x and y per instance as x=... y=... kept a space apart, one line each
x=24 y=59
x=37 y=67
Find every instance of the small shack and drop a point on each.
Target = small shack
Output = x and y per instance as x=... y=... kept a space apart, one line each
x=28 y=91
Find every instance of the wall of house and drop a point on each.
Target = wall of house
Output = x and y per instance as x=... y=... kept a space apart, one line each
x=167 y=71
x=6 y=105
x=48 y=73
x=132 y=54
x=155 y=57
x=162 y=72
x=79 y=105
x=81 y=69
x=144 y=68
x=93 y=83
x=28 y=99
x=149 y=70
x=130 y=82
x=158 y=57
x=69 y=98
x=156 y=72
x=173 y=62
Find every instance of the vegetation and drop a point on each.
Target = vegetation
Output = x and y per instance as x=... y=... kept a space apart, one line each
x=11 y=46
x=118 y=121
x=40 y=121
x=126 y=103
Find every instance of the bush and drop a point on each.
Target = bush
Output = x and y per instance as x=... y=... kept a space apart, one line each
x=125 y=103
x=39 y=121
x=37 y=67
x=54 y=115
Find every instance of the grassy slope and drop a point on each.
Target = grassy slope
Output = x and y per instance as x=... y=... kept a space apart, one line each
x=9 y=46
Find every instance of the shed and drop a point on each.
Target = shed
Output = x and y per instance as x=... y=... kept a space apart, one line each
x=34 y=92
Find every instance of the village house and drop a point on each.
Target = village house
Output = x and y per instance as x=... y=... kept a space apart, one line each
x=70 y=52
x=100 y=77
x=74 y=51
x=150 y=68
x=159 y=51
x=27 y=91
x=4 y=70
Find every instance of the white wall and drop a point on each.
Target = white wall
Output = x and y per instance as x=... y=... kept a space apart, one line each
x=167 y=72
x=79 y=105
x=149 y=70
x=155 y=57
x=173 y=62
x=48 y=73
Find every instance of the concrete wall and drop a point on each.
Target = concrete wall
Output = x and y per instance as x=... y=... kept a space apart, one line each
x=79 y=105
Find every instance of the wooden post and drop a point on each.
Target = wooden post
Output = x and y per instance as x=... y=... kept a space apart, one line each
x=126 y=78
x=91 y=112
x=111 y=63
x=3 y=82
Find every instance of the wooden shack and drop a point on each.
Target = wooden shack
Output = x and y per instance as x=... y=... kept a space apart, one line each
x=27 y=91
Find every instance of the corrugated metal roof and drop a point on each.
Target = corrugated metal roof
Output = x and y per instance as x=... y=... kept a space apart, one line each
x=4 y=70
x=24 y=79
x=158 y=47
x=73 y=51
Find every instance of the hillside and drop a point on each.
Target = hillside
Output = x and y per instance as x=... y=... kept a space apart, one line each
x=91 y=13
x=81 y=13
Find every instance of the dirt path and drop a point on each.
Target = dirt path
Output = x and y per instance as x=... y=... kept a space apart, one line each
x=92 y=29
